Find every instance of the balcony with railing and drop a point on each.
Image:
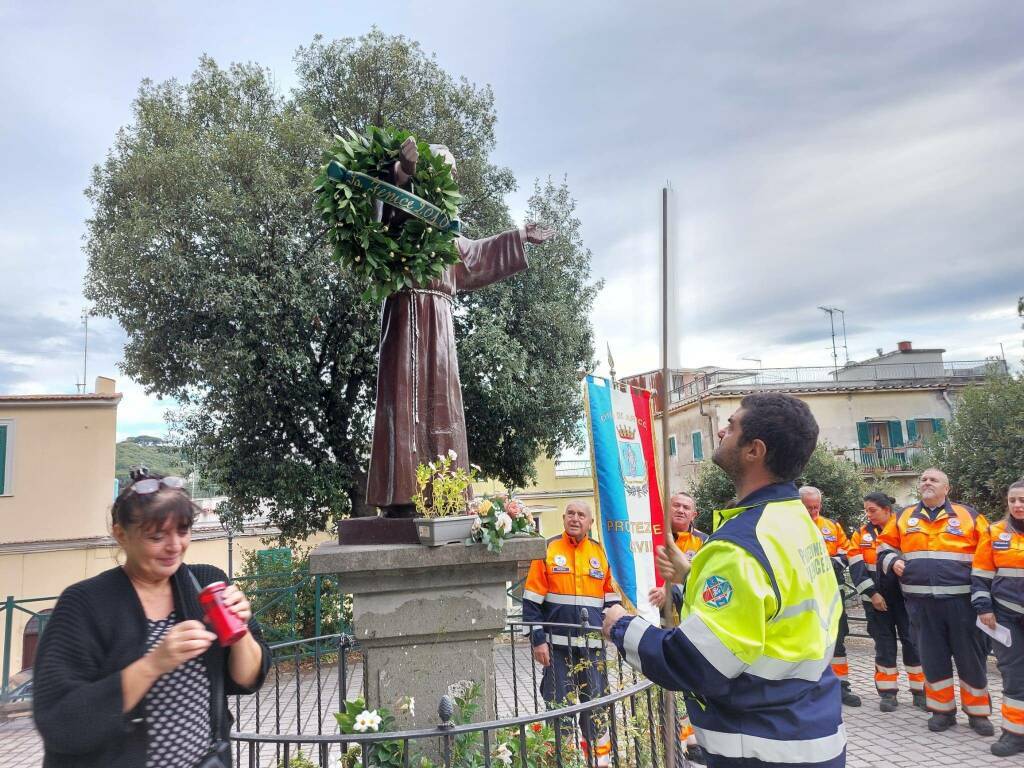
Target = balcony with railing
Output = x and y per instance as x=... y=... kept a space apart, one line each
x=890 y=461
x=852 y=376
x=572 y=468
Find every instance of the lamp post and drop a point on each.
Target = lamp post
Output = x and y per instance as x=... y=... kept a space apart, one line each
x=230 y=531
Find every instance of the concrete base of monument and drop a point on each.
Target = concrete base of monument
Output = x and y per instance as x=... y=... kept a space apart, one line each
x=426 y=617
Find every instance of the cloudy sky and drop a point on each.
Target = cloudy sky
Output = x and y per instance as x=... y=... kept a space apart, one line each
x=868 y=156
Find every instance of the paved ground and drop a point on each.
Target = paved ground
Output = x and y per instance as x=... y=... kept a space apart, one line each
x=876 y=740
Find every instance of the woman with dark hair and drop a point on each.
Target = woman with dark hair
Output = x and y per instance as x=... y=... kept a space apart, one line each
x=997 y=594
x=127 y=674
x=884 y=607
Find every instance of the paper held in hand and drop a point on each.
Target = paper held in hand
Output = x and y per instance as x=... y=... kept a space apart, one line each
x=1000 y=634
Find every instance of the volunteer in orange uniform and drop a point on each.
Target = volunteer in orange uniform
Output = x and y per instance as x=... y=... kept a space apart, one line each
x=836 y=543
x=997 y=593
x=689 y=540
x=574 y=577
x=884 y=607
x=930 y=546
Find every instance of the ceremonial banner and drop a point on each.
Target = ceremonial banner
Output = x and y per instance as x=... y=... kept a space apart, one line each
x=629 y=509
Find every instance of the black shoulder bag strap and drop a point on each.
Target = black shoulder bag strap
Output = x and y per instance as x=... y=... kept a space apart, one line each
x=219 y=753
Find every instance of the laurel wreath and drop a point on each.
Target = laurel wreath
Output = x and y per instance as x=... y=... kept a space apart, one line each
x=385 y=259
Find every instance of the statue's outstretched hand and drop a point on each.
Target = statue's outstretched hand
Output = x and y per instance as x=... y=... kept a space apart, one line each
x=537 y=233
x=408 y=156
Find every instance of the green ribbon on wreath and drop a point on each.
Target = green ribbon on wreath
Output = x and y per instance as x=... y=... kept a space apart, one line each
x=396 y=197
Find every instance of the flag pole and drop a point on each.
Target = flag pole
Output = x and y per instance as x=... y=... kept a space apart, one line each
x=669 y=616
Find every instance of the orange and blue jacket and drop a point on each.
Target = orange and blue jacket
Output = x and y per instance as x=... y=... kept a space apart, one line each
x=997 y=576
x=937 y=546
x=572 y=579
x=688 y=542
x=862 y=555
x=836 y=543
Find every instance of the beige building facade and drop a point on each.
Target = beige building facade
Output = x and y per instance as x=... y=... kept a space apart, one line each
x=56 y=489
x=878 y=413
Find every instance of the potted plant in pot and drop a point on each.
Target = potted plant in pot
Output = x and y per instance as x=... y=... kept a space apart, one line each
x=441 y=506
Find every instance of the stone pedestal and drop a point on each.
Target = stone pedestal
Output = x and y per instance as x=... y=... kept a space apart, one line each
x=426 y=617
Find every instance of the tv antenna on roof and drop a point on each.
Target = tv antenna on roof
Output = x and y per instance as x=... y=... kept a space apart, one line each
x=832 y=322
x=81 y=386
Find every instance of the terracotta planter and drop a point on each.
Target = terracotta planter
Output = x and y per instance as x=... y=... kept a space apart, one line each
x=435 y=531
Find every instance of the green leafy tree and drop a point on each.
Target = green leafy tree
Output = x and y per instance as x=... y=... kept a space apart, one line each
x=205 y=245
x=982 y=449
x=162 y=458
x=522 y=344
x=284 y=597
x=841 y=486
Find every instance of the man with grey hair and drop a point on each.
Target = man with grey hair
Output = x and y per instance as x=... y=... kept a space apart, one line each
x=930 y=547
x=572 y=582
x=836 y=543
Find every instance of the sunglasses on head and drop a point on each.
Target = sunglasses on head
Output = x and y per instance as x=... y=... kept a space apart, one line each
x=152 y=484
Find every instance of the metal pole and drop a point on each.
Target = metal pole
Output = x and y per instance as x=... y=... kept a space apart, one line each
x=85 y=357
x=668 y=701
x=846 y=349
x=8 y=630
x=832 y=324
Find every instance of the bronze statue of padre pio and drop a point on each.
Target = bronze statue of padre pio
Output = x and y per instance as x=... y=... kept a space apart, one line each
x=419 y=396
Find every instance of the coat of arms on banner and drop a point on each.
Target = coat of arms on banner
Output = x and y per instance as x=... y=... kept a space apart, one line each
x=631 y=455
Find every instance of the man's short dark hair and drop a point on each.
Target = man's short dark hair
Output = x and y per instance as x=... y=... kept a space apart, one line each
x=787 y=428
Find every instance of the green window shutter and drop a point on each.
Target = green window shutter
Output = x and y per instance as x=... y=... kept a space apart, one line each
x=863 y=434
x=698 y=447
x=3 y=457
x=671 y=445
x=911 y=431
x=939 y=425
x=895 y=434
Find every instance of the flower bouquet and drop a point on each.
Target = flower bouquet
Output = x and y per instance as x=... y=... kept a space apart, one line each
x=500 y=517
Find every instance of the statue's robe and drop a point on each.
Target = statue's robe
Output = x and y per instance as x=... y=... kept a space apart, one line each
x=419 y=396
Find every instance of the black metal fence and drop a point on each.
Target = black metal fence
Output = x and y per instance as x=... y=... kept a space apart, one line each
x=290 y=723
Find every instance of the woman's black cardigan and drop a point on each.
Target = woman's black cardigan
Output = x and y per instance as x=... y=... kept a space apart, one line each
x=98 y=628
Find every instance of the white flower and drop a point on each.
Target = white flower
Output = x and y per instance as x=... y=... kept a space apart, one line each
x=412 y=706
x=503 y=523
x=367 y=721
x=452 y=454
x=477 y=524
x=503 y=755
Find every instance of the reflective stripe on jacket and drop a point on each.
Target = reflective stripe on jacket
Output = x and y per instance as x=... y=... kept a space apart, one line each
x=572 y=577
x=998 y=570
x=938 y=551
x=754 y=647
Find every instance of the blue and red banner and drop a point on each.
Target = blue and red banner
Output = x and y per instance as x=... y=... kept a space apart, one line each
x=629 y=509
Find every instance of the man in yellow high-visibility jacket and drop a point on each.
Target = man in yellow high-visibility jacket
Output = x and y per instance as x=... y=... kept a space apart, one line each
x=753 y=650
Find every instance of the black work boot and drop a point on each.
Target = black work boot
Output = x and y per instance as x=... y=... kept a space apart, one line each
x=1008 y=744
x=941 y=721
x=850 y=698
x=981 y=725
x=919 y=701
x=888 y=702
